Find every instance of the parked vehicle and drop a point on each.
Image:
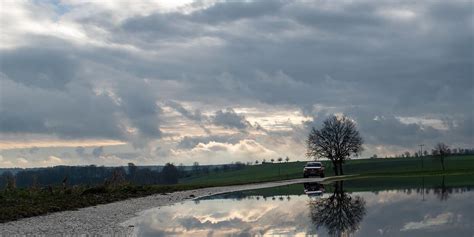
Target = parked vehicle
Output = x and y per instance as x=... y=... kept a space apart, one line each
x=313 y=169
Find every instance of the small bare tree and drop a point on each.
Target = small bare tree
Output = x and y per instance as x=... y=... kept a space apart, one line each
x=337 y=140
x=441 y=150
x=279 y=162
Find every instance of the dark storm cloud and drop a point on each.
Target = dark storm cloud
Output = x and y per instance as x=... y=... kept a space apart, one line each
x=52 y=90
x=139 y=103
x=195 y=115
x=38 y=67
x=178 y=24
x=222 y=12
x=74 y=113
x=230 y=119
x=369 y=57
x=225 y=118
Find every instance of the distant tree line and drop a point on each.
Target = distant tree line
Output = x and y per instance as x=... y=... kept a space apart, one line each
x=88 y=175
x=200 y=170
x=96 y=175
x=435 y=151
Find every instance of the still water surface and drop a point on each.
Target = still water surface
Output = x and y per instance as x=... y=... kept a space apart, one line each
x=312 y=209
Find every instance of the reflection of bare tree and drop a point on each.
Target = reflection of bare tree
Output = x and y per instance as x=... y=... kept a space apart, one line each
x=442 y=192
x=340 y=213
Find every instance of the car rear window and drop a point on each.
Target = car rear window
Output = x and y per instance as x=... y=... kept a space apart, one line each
x=313 y=165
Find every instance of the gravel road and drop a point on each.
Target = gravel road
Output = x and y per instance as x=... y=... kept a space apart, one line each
x=107 y=219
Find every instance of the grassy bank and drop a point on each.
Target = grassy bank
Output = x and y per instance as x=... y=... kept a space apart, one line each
x=21 y=203
x=363 y=167
x=368 y=184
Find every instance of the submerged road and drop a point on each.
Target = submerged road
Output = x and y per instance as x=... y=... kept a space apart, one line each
x=107 y=219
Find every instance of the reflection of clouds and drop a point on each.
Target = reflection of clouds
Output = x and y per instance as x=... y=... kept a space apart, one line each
x=248 y=216
x=429 y=222
x=387 y=197
x=389 y=213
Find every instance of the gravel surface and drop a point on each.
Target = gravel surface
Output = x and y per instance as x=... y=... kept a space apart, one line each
x=107 y=219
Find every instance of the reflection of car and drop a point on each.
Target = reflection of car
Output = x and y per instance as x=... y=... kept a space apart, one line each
x=313 y=169
x=313 y=189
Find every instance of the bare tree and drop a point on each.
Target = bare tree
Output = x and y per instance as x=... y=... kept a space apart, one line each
x=441 y=150
x=287 y=159
x=337 y=140
x=279 y=162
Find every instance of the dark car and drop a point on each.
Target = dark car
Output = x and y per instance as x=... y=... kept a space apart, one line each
x=313 y=169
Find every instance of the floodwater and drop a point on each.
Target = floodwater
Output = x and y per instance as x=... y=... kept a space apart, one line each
x=440 y=206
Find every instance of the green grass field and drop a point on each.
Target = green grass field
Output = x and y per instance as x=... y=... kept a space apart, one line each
x=363 y=167
x=367 y=184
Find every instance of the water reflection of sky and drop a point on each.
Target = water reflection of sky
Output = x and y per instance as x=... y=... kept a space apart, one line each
x=387 y=213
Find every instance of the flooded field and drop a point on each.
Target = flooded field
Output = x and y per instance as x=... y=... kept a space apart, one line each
x=435 y=206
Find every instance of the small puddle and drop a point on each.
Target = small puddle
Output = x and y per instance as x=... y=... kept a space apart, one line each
x=435 y=206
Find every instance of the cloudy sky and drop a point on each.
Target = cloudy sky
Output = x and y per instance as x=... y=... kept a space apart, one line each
x=110 y=82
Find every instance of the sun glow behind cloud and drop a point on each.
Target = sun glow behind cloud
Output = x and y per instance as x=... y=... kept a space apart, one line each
x=12 y=144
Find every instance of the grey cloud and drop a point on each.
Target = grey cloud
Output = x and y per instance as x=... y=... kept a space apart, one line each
x=139 y=104
x=230 y=119
x=222 y=12
x=345 y=17
x=74 y=113
x=178 y=24
x=98 y=151
x=226 y=118
x=38 y=67
x=380 y=129
x=372 y=60
x=80 y=150
x=67 y=104
x=195 y=116
x=34 y=150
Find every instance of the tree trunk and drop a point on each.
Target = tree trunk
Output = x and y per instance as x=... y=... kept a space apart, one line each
x=340 y=169
x=336 y=172
x=442 y=162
